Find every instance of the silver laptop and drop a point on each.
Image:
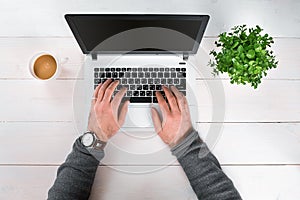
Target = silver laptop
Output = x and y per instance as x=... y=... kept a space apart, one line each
x=143 y=51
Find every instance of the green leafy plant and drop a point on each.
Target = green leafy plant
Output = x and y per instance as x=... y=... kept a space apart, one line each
x=244 y=55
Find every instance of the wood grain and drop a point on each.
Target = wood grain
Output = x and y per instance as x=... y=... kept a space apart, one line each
x=48 y=143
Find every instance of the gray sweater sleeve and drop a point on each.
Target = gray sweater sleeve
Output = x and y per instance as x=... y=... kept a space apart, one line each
x=203 y=170
x=76 y=175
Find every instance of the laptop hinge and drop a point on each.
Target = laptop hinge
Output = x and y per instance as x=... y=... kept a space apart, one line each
x=185 y=56
x=94 y=56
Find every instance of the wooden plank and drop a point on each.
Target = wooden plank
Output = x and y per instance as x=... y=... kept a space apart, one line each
x=271 y=15
x=33 y=100
x=259 y=143
x=36 y=142
x=253 y=182
x=52 y=101
x=273 y=101
x=16 y=54
x=33 y=143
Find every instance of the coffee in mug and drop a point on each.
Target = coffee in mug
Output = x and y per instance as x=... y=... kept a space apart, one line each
x=44 y=66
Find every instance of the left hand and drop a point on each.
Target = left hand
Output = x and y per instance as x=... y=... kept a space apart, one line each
x=105 y=119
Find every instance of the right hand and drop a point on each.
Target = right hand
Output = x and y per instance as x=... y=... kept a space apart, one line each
x=176 y=121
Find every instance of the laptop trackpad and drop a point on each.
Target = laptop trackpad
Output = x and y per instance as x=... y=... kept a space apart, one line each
x=138 y=117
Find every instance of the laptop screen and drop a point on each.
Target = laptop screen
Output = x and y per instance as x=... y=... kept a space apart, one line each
x=110 y=33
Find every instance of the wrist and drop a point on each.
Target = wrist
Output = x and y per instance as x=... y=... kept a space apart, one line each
x=90 y=140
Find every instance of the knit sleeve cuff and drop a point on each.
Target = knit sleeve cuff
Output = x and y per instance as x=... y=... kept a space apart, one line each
x=181 y=148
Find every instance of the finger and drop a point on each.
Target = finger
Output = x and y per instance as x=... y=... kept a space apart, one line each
x=123 y=113
x=118 y=97
x=102 y=90
x=162 y=102
x=156 y=121
x=109 y=91
x=95 y=96
x=180 y=98
x=171 y=99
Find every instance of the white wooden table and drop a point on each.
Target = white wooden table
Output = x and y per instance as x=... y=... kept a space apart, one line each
x=260 y=144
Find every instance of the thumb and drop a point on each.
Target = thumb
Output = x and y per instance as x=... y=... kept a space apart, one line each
x=123 y=113
x=156 y=120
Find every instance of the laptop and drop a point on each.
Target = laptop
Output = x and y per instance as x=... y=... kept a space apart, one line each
x=143 y=51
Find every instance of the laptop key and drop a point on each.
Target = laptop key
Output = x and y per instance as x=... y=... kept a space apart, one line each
x=134 y=75
x=96 y=75
x=136 y=93
x=145 y=87
x=129 y=94
x=148 y=93
x=180 y=75
x=124 y=81
x=97 y=81
x=163 y=81
x=160 y=75
x=139 y=87
x=121 y=74
x=118 y=69
x=108 y=75
x=153 y=75
x=167 y=74
x=131 y=81
x=170 y=81
x=132 y=87
x=96 y=69
x=152 y=87
x=142 y=93
x=140 y=99
x=115 y=75
x=181 y=87
x=150 y=81
x=176 y=81
x=157 y=81
x=144 y=81
x=141 y=74
x=147 y=74
x=137 y=81
x=126 y=86
x=158 y=87
x=173 y=75
x=154 y=100
x=127 y=75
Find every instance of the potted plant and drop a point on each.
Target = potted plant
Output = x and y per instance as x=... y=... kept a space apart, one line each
x=244 y=54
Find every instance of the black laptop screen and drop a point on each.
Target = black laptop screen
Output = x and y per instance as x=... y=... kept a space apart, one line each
x=138 y=33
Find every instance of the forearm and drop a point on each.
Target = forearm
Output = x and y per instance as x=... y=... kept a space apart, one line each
x=76 y=175
x=203 y=170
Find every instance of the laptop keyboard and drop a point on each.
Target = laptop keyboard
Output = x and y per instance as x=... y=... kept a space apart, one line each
x=141 y=83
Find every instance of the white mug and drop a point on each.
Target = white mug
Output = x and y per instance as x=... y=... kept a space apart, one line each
x=48 y=66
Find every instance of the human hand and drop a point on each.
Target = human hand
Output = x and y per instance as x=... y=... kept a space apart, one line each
x=105 y=119
x=176 y=122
